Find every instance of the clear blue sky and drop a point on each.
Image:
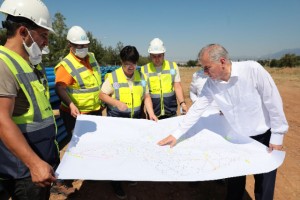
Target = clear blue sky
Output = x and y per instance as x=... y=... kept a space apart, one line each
x=248 y=29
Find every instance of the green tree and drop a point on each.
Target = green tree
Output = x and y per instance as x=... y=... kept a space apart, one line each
x=298 y=61
x=110 y=57
x=58 y=43
x=119 y=47
x=264 y=62
x=191 y=63
x=274 y=63
x=143 y=60
x=288 y=60
x=96 y=47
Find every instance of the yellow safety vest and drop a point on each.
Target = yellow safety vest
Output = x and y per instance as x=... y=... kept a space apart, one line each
x=131 y=97
x=161 y=88
x=37 y=124
x=84 y=93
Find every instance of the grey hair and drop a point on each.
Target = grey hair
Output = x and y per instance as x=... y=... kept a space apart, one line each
x=215 y=52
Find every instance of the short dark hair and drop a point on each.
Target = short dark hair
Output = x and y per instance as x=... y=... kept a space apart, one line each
x=12 y=23
x=129 y=53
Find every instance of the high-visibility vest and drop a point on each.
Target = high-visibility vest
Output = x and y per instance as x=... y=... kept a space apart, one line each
x=131 y=97
x=37 y=124
x=84 y=93
x=161 y=87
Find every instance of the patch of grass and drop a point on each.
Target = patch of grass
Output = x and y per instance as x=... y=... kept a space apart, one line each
x=289 y=74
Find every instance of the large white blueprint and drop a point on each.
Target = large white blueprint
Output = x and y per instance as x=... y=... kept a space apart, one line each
x=107 y=148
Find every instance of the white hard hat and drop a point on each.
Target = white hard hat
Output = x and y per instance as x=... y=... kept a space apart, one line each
x=77 y=35
x=34 y=10
x=156 y=46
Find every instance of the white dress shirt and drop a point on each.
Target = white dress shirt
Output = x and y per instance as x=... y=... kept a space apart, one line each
x=249 y=100
x=197 y=84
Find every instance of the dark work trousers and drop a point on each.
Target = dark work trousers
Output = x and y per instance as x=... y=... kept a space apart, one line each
x=25 y=189
x=264 y=183
x=69 y=120
x=167 y=116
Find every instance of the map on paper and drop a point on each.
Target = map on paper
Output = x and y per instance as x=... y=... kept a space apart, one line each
x=107 y=148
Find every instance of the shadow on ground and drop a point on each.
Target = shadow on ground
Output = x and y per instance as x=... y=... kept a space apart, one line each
x=209 y=190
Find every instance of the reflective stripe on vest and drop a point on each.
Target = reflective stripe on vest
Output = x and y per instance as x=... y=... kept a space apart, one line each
x=161 y=89
x=37 y=124
x=85 y=91
x=119 y=82
x=164 y=95
x=145 y=70
x=76 y=72
x=35 y=120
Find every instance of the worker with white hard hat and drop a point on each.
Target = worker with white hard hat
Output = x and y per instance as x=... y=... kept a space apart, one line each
x=78 y=80
x=29 y=154
x=164 y=82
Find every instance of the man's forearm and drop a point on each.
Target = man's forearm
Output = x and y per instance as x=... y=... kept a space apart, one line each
x=179 y=92
x=62 y=94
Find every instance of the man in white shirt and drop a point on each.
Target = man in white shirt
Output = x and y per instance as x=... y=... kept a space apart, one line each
x=250 y=102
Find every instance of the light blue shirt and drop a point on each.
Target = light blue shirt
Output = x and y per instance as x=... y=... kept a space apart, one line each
x=249 y=100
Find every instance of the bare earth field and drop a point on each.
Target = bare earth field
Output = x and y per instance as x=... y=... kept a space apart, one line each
x=288 y=176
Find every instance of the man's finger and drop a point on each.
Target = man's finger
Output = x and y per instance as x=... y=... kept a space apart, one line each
x=270 y=149
x=165 y=141
x=162 y=142
x=172 y=144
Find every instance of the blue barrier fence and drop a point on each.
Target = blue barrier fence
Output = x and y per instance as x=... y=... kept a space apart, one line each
x=55 y=101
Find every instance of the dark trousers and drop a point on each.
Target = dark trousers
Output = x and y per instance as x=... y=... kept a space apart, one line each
x=25 y=189
x=69 y=120
x=167 y=116
x=264 y=183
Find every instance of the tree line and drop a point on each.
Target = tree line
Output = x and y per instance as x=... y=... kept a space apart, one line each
x=288 y=60
x=107 y=56
x=58 y=45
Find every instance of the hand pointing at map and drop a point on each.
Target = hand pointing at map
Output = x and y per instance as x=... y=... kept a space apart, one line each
x=170 y=140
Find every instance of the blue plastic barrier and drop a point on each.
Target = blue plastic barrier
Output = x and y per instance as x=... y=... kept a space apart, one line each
x=55 y=101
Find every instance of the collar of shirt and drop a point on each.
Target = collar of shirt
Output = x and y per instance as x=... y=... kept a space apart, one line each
x=234 y=71
x=234 y=74
x=129 y=78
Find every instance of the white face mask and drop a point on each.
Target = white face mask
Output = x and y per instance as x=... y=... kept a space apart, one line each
x=81 y=53
x=34 y=51
x=45 y=50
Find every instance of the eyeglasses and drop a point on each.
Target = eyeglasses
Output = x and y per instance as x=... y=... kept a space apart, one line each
x=43 y=35
x=157 y=55
x=130 y=65
x=79 y=46
x=206 y=68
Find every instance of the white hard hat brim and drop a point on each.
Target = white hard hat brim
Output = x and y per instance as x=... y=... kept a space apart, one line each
x=49 y=29
x=80 y=42
x=156 y=52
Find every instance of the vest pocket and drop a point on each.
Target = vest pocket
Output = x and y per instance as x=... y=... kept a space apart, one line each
x=42 y=100
x=85 y=102
x=43 y=144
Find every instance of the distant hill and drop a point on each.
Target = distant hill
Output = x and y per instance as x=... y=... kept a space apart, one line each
x=279 y=54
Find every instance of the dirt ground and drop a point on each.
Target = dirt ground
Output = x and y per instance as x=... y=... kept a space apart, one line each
x=288 y=176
